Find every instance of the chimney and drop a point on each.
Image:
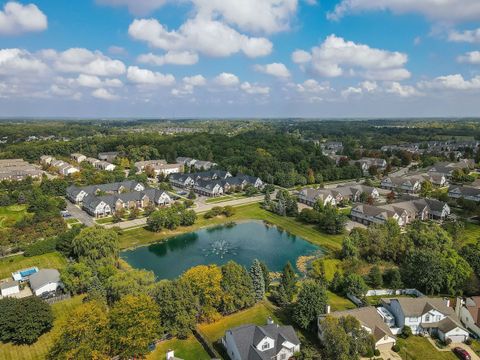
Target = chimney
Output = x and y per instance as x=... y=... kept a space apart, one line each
x=327 y=309
x=447 y=301
x=170 y=354
x=270 y=321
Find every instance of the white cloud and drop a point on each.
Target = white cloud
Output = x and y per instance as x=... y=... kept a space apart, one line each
x=80 y=60
x=351 y=91
x=104 y=94
x=148 y=77
x=312 y=86
x=451 y=82
x=336 y=57
x=136 y=7
x=202 y=35
x=402 y=90
x=469 y=36
x=15 y=62
x=171 y=57
x=17 y=18
x=369 y=86
x=93 y=81
x=278 y=70
x=196 y=80
x=254 y=89
x=472 y=57
x=439 y=10
x=301 y=57
x=226 y=79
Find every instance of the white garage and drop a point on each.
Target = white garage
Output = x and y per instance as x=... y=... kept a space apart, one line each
x=449 y=329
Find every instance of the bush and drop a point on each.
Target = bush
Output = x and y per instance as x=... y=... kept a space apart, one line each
x=448 y=341
x=396 y=348
x=468 y=341
x=41 y=247
x=376 y=352
x=406 y=332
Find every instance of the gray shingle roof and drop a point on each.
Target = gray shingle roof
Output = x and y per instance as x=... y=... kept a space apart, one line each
x=43 y=277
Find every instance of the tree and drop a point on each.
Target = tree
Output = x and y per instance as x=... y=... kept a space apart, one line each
x=317 y=271
x=84 y=334
x=258 y=281
x=134 y=213
x=178 y=307
x=349 y=249
x=131 y=282
x=393 y=279
x=65 y=239
x=288 y=281
x=188 y=217
x=237 y=286
x=266 y=275
x=426 y=189
x=134 y=326
x=22 y=321
x=311 y=302
x=375 y=278
x=95 y=243
x=192 y=195
x=165 y=218
x=206 y=285
x=471 y=253
x=77 y=277
x=355 y=285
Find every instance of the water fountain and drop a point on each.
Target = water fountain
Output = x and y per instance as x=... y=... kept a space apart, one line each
x=220 y=248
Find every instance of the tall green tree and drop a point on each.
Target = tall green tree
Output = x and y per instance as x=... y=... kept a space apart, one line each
x=131 y=282
x=237 y=286
x=258 y=281
x=311 y=302
x=95 y=243
x=288 y=281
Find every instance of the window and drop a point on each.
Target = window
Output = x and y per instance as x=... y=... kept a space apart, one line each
x=265 y=346
x=283 y=356
x=427 y=317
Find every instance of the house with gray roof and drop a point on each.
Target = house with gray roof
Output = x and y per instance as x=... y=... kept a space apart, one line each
x=253 y=342
x=465 y=192
x=408 y=184
x=109 y=156
x=44 y=281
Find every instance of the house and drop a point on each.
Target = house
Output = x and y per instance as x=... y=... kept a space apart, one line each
x=243 y=180
x=370 y=319
x=437 y=179
x=9 y=288
x=91 y=161
x=182 y=180
x=44 y=281
x=77 y=194
x=108 y=156
x=78 y=157
x=366 y=163
x=353 y=193
x=424 y=315
x=447 y=168
x=465 y=192
x=186 y=161
x=468 y=311
x=62 y=167
x=46 y=159
x=253 y=342
x=410 y=185
x=159 y=167
x=104 y=165
x=209 y=188
x=310 y=196
x=203 y=165
x=18 y=169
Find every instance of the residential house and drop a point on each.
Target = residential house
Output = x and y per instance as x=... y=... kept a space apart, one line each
x=159 y=167
x=77 y=194
x=424 y=315
x=209 y=188
x=253 y=342
x=91 y=161
x=18 y=169
x=46 y=159
x=182 y=180
x=104 y=165
x=410 y=184
x=353 y=193
x=62 y=167
x=78 y=157
x=311 y=196
x=366 y=163
x=108 y=156
x=45 y=281
x=186 y=161
x=468 y=311
x=197 y=164
x=370 y=319
x=447 y=168
x=241 y=181
x=9 y=288
x=465 y=192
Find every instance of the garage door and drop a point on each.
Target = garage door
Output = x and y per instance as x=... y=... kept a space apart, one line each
x=457 y=338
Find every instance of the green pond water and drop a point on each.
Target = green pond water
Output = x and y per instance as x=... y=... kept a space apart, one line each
x=242 y=243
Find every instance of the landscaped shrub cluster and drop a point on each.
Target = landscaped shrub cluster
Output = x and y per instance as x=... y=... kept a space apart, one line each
x=227 y=211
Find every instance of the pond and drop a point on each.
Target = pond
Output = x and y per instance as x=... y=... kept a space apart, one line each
x=241 y=243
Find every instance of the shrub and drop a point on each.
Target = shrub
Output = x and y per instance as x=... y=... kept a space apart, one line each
x=376 y=352
x=41 y=247
x=448 y=341
x=396 y=348
x=228 y=211
x=406 y=332
x=468 y=341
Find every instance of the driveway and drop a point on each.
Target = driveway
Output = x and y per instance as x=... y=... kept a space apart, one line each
x=79 y=214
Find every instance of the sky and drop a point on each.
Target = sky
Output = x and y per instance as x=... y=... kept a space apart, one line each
x=240 y=58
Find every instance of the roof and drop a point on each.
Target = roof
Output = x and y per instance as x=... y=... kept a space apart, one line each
x=8 y=284
x=44 y=277
x=247 y=337
x=370 y=318
x=415 y=307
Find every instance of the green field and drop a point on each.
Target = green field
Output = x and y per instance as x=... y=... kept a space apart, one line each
x=472 y=233
x=188 y=349
x=141 y=236
x=46 y=261
x=224 y=198
x=39 y=350
x=419 y=348
x=339 y=303
x=9 y=215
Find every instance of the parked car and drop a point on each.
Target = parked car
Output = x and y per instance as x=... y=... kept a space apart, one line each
x=462 y=353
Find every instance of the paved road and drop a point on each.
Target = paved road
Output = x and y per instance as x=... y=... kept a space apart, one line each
x=79 y=214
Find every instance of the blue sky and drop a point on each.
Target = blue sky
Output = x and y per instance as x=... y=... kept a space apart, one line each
x=240 y=58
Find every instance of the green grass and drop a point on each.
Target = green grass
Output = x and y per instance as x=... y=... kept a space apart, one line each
x=419 y=348
x=141 y=236
x=331 y=266
x=188 y=349
x=11 y=214
x=339 y=303
x=39 y=349
x=224 y=198
x=13 y=263
x=472 y=233
x=257 y=315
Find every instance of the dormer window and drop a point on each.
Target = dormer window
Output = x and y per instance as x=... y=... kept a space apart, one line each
x=427 y=317
x=265 y=346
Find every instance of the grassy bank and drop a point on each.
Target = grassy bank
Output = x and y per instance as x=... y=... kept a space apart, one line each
x=141 y=236
x=9 y=215
x=39 y=350
x=472 y=233
x=419 y=348
x=46 y=261
x=188 y=349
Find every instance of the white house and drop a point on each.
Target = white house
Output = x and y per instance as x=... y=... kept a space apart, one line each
x=9 y=288
x=78 y=157
x=370 y=320
x=310 y=196
x=104 y=165
x=266 y=342
x=44 y=281
x=407 y=184
x=425 y=315
x=468 y=311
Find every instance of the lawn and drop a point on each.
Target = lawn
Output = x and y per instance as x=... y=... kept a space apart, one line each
x=11 y=214
x=332 y=266
x=141 y=236
x=188 y=349
x=39 y=350
x=339 y=303
x=419 y=348
x=472 y=233
x=224 y=198
x=46 y=261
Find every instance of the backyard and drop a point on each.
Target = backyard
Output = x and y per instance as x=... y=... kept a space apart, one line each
x=39 y=349
x=142 y=236
x=419 y=348
x=9 y=215
x=188 y=349
x=46 y=261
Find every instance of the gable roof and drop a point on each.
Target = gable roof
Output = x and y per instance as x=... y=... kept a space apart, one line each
x=43 y=277
x=415 y=307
